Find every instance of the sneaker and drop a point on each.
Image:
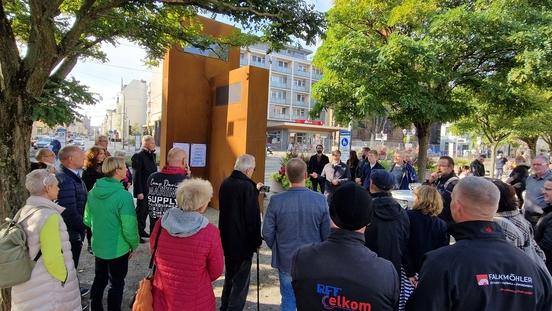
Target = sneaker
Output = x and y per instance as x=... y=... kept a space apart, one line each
x=84 y=291
x=144 y=235
x=85 y=306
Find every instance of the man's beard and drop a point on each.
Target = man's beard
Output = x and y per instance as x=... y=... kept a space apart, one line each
x=319 y=151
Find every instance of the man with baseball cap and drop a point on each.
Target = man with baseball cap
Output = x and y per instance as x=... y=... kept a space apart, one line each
x=341 y=273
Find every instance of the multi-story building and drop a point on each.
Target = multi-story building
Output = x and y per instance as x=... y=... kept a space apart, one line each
x=292 y=76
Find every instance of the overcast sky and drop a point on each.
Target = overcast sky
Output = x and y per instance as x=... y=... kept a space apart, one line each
x=126 y=63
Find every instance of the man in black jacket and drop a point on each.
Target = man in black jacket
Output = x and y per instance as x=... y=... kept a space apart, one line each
x=341 y=273
x=543 y=230
x=144 y=165
x=315 y=166
x=240 y=230
x=162 y=185
x=371 y=164
x=477 y=167
x=444 y=180
x=481 y=271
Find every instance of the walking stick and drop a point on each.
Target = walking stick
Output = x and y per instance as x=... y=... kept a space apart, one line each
x=258 y=304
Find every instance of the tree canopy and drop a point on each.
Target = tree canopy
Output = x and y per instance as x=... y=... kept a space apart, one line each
x=416 y=61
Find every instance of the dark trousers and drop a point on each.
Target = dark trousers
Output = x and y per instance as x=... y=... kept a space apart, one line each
x=236 y=285
x=533 y=218
x=75 y=238
x=141 y=215
x=114 y=271
x=316 y=182
x=153 y=221
x=89 y=236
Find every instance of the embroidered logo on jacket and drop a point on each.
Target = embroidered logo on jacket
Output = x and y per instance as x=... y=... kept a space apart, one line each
x=333 y=299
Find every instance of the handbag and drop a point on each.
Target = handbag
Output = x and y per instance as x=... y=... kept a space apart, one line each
x=143 y=299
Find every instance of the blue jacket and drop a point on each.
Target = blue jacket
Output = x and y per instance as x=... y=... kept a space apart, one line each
x=72 y=195
x=366 y=171
x=293 y=219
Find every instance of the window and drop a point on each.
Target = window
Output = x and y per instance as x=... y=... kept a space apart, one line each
x=279 y=79
x=279 y=110
x=278 y=95
x=242 y=56
x=258 y=59
x=299 y=82
x=302 y=68
x=301 y=98
x=316 y=71
x=299 y=112
x=283 y=64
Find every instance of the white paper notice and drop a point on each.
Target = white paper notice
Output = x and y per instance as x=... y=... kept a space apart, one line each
x=185 y=147
x=198 y=155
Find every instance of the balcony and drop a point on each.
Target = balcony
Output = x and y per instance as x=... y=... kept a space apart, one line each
x=299 y=72
x=297 y=103
x=280 y=69
x=258 y=64
x=282 y=101
x=316 y=76
x=279 y=116
x=300 y=88
x=279 y=84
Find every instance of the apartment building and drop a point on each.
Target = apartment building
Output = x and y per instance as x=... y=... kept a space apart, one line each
x=289 y=125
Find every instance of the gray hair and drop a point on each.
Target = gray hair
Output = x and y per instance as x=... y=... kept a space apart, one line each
x=543 y=158
x=244 y=162
x=146 y=138
x=176 y=156
x=67 y=152
x=478 y=196
x=37 y=181
x=193 y=194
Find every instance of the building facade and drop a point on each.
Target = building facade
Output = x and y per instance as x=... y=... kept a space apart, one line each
x=289 y=125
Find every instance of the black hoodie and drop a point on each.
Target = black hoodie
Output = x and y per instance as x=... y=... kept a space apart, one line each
x=388 y=233
x=481 y=271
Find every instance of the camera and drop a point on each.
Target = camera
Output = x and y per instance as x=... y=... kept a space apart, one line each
x=265 y=189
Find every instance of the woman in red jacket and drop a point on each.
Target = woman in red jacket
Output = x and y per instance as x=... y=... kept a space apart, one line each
x=189 y=253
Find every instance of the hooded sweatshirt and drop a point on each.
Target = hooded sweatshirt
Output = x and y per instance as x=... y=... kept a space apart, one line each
x=111 y=215
x=387 y=234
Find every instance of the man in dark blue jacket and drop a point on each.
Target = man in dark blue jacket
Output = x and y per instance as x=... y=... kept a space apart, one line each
x=481 y=271
x=371 y=164
x=341 y=273
x=72 y=196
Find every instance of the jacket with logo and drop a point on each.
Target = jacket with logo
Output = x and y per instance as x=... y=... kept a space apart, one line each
x=342 y=274
x=481 y=271
x=162 y=190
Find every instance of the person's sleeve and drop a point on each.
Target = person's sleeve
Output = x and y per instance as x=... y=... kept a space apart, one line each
x=309 y=166
x=269 y=225
x=137 y=166
x=129 y=224
x=432 y=291
x=71 y=215
x=215 y=259
x=253 y=218
x=323 y=174
x=87 y=219
x=325 y=223
x=546 y=242
x=50 y=245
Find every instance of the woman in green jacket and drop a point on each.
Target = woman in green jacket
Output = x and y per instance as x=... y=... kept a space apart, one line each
x=111 y=216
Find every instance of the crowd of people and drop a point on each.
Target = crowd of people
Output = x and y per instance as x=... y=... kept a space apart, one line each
x=353 y=247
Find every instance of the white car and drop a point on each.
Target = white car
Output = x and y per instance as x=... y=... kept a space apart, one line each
x=404 y=197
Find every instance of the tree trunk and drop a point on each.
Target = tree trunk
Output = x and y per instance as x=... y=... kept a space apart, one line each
x=15 y=134
x=531 y=142
x=422 y=132
x=494 y=146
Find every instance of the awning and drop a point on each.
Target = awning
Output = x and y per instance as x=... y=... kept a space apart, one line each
x=302 y=127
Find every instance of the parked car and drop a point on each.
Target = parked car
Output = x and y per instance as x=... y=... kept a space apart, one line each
x=78 y=141
x=404 y=197
x=43 y=142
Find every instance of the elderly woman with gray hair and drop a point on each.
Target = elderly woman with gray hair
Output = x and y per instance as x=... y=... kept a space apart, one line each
x=189 y=254
x=53 y=284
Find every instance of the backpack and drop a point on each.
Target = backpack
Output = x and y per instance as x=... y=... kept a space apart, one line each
x=15 y=264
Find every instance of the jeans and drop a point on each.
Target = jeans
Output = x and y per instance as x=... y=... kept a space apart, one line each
x=498 y=173
x=286 y=290
x=114 y=271
x=141 y=215
x=236 y=285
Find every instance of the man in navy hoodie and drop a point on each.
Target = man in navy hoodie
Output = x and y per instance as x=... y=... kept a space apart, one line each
x=481 y=271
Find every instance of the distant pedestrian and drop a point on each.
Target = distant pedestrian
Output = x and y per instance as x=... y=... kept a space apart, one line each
x=103 y=142
x=111 y=216
x=372 y=164
x=45 y=159
x=315 y=166
x=481 y=271
x=427 y=230
x=240 y=230
x=92 y=171
x=500 y=161
x=143 y=163
x=189 y=253
x=518 y=178
x=403 y=172
x=516 y=228
x=534 y=195
x=294 y=218
x=162 y=185
x=341 y=273
x=53 y=285
x=477 y=166
x=359 y=176
x=335 y=173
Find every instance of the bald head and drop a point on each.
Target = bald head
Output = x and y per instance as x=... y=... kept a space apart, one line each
x=176 y=157
x=474 y=198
